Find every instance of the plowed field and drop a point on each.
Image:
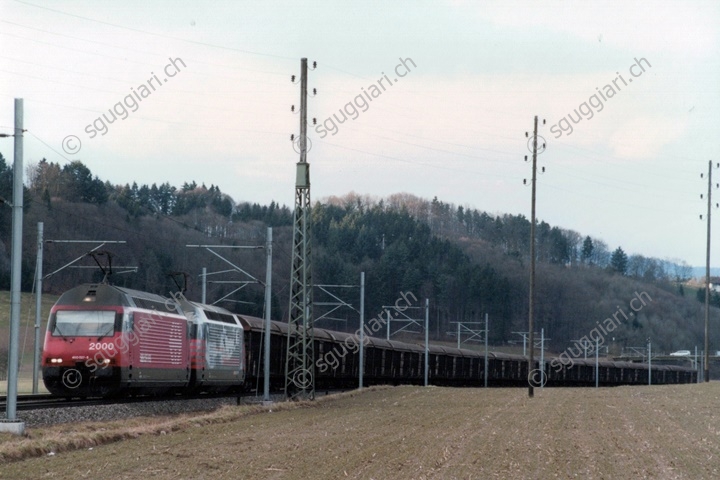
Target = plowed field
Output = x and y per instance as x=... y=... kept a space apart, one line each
x=659 y=432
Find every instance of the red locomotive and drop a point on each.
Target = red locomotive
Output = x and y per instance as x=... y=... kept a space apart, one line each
x=104 y=340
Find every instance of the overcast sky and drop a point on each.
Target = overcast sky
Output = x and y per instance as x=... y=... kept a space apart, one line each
x=209 y=83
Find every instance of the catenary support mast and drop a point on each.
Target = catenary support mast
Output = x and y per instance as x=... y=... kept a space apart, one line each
x=299 y=373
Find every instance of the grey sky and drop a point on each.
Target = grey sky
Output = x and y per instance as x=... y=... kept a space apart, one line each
x=453 y=126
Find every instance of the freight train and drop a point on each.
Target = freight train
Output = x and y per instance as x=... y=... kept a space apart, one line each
x=388 y=362
x=104 y=340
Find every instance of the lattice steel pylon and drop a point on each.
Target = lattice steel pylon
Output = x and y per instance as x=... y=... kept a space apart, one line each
x=300 y=360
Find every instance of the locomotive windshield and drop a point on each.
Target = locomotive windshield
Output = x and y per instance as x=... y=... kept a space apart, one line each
x=84 y=323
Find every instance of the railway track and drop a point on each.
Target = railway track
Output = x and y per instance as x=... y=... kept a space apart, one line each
x=44 y=401
x=31 y=402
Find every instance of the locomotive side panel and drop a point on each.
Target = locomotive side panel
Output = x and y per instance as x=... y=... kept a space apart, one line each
x=224 y=356
x=161 y=355
x=217 y=347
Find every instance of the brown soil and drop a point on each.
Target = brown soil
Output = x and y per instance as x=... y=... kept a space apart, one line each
x=663 y=432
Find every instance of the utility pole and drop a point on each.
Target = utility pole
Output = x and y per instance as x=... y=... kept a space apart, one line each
x=300 y=360
x=13 y=424
x=706 y=371
x=531 y=307
x=531 y=326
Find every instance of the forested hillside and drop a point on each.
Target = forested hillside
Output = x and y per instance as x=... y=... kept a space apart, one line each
x=466 y=261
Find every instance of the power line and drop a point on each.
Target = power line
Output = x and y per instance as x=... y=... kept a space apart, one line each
x=125 y=59
x=195 y=42
x=141 y=52
x=609 y=199
x=125 y=83
x=48 y=146
x=414 y=162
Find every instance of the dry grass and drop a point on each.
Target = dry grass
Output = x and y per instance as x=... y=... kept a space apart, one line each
x=68 y=437
x=27 y=310
x=665 y=432
x=24 y=385
x=27 y=335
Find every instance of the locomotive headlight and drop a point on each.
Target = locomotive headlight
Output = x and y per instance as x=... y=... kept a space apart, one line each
x=56 y=360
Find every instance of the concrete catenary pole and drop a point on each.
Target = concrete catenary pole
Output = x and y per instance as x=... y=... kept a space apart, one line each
x=268 y=303
x=15 y=264
x=38 y=307
x=427 y=345
x=649 y=362
x=204 y=285
x=361 y=357
x=542 y=357
x=597 y=362
x=487 y=330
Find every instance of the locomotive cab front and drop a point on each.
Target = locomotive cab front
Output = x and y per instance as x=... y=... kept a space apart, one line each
x=80 y=351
